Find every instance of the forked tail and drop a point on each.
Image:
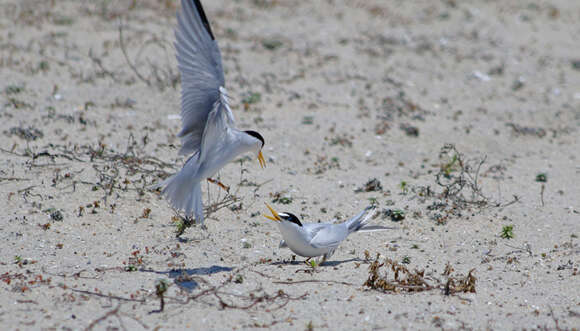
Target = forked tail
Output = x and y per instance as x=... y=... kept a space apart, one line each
x=359 y=222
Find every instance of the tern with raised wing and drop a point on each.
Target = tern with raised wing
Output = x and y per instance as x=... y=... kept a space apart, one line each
x=208 y=130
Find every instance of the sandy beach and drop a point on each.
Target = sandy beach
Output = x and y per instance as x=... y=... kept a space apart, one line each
x=459 y=120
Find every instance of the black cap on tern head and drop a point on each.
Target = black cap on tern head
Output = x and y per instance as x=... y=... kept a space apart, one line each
x=290 y=218
x=256 y=135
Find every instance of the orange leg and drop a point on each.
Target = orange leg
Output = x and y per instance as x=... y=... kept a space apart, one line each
x=220 y=184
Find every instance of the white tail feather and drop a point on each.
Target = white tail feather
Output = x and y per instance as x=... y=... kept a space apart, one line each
x=184 y=193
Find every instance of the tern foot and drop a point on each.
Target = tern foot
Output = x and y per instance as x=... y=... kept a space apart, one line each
x=220 y=184
x=321 y=261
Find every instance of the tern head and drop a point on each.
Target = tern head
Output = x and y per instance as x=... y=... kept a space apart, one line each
x=282 y=217
x=259 y=141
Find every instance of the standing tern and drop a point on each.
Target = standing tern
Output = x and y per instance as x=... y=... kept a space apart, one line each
x=320 y=239
x=208 y=131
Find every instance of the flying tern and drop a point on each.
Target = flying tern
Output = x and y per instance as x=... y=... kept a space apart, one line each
x=208 y=130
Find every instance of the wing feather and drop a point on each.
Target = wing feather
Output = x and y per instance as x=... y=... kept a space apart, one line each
x=202 y=76
x=215 y=131
x=328 y=235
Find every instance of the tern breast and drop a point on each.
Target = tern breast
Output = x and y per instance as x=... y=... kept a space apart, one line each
x=298 y=240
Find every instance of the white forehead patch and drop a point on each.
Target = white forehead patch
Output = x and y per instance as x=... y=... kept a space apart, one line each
x=284 y=215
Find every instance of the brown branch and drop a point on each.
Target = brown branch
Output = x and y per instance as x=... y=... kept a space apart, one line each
x=402 y=278
x=129 y=63
x=313 y=281
x=104 y=317
x=15 y=179
x=108 y=296
x=114 y=312
x=542 y=194
x=219 y=293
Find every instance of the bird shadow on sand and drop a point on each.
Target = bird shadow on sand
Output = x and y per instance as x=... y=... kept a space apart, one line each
x=332 y=263
x=184 y=278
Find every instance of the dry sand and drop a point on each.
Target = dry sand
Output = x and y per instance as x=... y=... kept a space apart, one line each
x=343 y=92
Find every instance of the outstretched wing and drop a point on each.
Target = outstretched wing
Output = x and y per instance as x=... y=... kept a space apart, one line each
x=202 y=77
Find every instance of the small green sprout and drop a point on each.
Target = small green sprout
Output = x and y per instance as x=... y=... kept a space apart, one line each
x=307 y=120
x=542 y=177
x=43 y=65
x=404 y=187
x=13 y=89
x=161 y=286
x=180 y=228
x=406 y=259
x=251 y=98
x=181 y=224
x=272 y=44
x=312 y=263
x=448 y=168
x=398 y=215
x=63 y=20
x=507 y=232
x=285 y=200
x=373 y=201
x=239 y=279
x=55 y=214
x=130 y=268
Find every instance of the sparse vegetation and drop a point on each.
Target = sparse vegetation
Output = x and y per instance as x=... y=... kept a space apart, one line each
x=281 y=197
x=396 y=215
x=396 y=278
x=404 y=187
x=161 y=286
x=372 y=185
x=542 y=177
x=507 y=232
x=251 y=98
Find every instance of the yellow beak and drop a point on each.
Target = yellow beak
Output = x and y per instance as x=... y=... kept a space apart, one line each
x=261 y=160
x=274 y=216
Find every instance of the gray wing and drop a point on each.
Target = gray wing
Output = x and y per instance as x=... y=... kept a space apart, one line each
x=202 y=77
x=215 y=131
x=327 y=235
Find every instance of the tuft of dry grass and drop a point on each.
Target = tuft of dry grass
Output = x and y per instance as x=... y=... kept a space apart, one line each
x=391 y=276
